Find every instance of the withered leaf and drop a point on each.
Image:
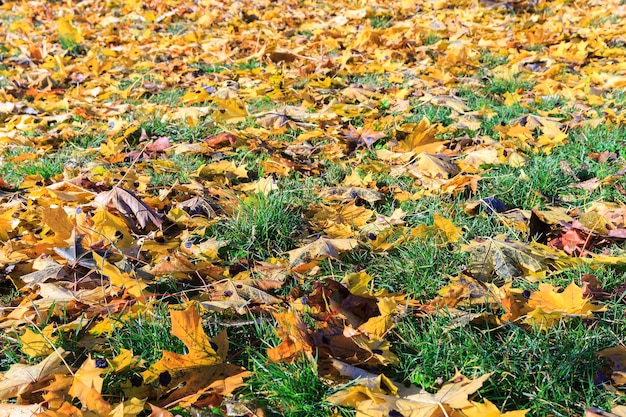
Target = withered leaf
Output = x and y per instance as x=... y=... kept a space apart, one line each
x=351 y=193
x=503 y=258
x=127 y=203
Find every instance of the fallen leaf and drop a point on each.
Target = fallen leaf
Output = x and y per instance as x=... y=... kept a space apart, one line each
x=502 y=258
x=126 y=203
x=21 y=379
x=295 y=339
x=488 y=409
x=320 y=248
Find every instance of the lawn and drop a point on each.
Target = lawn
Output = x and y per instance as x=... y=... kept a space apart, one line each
x=401 y=208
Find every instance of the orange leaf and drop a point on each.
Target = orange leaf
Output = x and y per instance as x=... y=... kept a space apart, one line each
x=294 y=335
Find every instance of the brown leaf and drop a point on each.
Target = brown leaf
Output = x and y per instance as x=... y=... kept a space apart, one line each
x=617 y=357
x=159 y=145
x=127 y=203
x=592 y=289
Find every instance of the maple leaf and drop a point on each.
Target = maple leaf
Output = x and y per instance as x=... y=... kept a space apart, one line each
x=570 y=300
x=187 y=327
x=361 y=137
x=202 y=368
x=7 y=224
x=40 y=343
x=133 y=285
x=350 y=194
x=422 y=138
x=230 y=110
x=446 y=230
x=503 y=258
x=288 y=115
x=87 y=387
x=82 y=91
x=68 y=31
x=547 y=306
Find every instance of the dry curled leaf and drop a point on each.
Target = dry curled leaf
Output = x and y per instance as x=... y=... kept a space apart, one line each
x=128 y=204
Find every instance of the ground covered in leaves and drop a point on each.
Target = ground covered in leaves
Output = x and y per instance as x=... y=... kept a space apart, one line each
x=312 y=208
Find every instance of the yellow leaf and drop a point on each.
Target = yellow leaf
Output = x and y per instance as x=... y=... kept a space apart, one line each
x=129 y=408
x=370 y=398
x=108 y=324
x=321 y=248
x=261 y=186
x=87 y=386
x=123 y=360
x=134 y=286
x=199 y=95
x=379 y=325
x=20 y=377
x=230 y=111
x=423 y=138
x=511 y=98
x=349 y=216
x=377 y=347
x=111 y=228
x=36 y=344
x=112 y=147
x=483 y=156
x=201 y=371
x=294 y=336
x=550 y=305
x=59 y=222
x=186 y=325
x=354 y=179
x=222 y=168
x=488 y=409
x=68 y=31
x=446 y=230
x=358 y=283
x=433 y=166
x=7 y=224
x=394 y=236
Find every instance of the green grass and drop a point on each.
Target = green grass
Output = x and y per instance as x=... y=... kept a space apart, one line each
x=499 y=86
x=170 y=97
x=47 y=166
x=381 y=22
x=211 y=68
x=434 y=114
x=491 y=60
x=431 y=39
x=176 y=168
x=548 y=373
x=260 y=227
x=156 y=126
x=292 y=390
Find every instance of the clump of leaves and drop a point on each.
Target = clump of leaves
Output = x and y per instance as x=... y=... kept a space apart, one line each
x=319 y=202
